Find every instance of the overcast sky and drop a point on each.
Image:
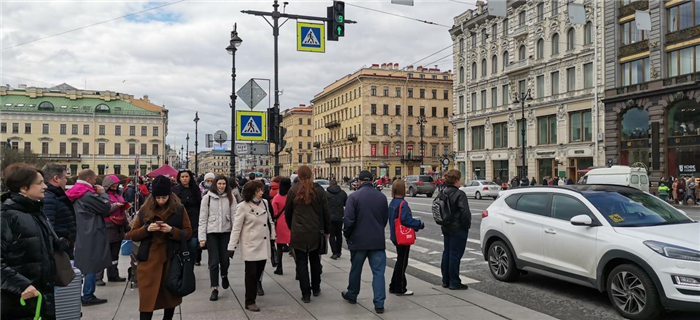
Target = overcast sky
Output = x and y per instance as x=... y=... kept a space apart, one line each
x=176 y=54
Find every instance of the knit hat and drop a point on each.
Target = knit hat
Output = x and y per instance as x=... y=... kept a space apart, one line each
x=109 y=180
x=209 y=175
x=161 y=186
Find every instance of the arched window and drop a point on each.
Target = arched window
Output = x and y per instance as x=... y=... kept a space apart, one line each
x=540 y=49
x=483 y=67
x=684 y=119
x=570 y=39
x=505 y=60
x=588 y=33
x=635 y=125
x=461 y=74
x=555 y=44
x=494 y=64
x=473 y=70
x=45 y=105
x=102 y=108
x=521 y=53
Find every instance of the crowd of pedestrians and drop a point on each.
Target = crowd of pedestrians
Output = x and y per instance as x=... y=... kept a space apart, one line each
x=222 y=215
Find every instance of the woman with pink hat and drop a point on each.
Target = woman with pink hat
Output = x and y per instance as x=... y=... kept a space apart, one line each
x=115 y=224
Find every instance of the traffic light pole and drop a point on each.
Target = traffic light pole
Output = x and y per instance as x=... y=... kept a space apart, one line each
x=276 y=15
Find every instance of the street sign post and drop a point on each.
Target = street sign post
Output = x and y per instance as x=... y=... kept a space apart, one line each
x=310 y=37
x=251 y=125
x=251 y=93
x=220 y=136
x=242 y=149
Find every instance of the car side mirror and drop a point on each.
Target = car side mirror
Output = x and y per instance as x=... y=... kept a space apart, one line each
x=582 y=220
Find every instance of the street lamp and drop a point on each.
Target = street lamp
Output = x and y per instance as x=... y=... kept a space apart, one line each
x=521 y=98
x=421 y=122
x=232 y=47
x=182 y=152
x=187 y=153
x=289 y=153
x=330 y=165
x=196 y=143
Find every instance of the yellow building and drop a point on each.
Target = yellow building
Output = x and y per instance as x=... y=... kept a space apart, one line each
x=99 y=130
x=216 y=161
x=299 y=137
x=370 y=120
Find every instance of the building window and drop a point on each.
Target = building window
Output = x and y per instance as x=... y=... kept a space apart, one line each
x=398 y=129
x=580 y=125
x=144 y=148
x=483 y=68
x=445 y=131
x=505 y=27
x=132 y=130
x=433 y=131
x=445 y=94
x=500 y=135
x=101 y=129
x=473 y=101
x=434 y=94
x=422 y=93
x=434 y=112
x=155 y=131
x=460 y=139
x=62 y=129
x=86 y=148
x=494 y=64
x=540 y=86
x=494 y=31
x=374 y=91
x=461 y=80
x=547 y=130
x=132 y=149
x=461 y=104
x=385 y=109
x=86 y=129
x=117 y=149
x=681 y=61
x=386 y=91
x=308 y=133
x=433 y=150
x=473 y=37
x=555 y=82
x=410 y=111
x=422 y=111
x=682 y=16
x=540 y=12
x=521 y=18
x=410 y=90
x=555 y=7
x=154 y=149
x=15 y=128
x=555 y=44
x=505 y=60
x=521 y=86
x=461 y=45
x=473 y=70
x=494 y=97
x=398 y=92
x=101 y=148
x=27 y=146
x=588 y=75
x=144 y=131
x=3 y=127
x=373 y=109
x=630 y=33
x=301 y=133
x=570 y=39
x=521 y=53
x=385 y=130
x=61 y=148
x=483 y=36
x=445 y=112
x=45 y=148
x=571 y=79
x=45 y=128
x=410 y=130
x=27 y=128
x=373 y=129
x=478 y=138
x=521 y=127
x=540 y=49
x=117 y=130
x=588 y=33
x=483 y=99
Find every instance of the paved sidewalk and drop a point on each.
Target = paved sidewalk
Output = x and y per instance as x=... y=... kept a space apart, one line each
x=282 y=299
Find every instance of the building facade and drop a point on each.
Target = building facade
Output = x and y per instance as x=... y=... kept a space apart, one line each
x=652 y=98
x=215 y=161
x=534 y=49
x=369 y=120
x=99 y=130
x=299 y=137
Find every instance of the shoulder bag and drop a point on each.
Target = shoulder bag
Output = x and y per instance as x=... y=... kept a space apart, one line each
x=64 y=270
x=180 y=280
x=404 y=236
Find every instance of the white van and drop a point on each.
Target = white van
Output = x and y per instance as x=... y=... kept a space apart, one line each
x=620 y=175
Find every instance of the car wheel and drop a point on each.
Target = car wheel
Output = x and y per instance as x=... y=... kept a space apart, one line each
x=632 y=293
x=501 y=262
x=477 y=195
x=412 y=191
x=430 y=195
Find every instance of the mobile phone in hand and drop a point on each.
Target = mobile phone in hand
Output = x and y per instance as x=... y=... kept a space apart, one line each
x=159 y=222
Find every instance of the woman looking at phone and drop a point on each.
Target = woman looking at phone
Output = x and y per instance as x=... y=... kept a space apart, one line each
x=161 y=219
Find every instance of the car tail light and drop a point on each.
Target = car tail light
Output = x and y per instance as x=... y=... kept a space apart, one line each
x=486 y=188
x=484 y=214
x=420 y=183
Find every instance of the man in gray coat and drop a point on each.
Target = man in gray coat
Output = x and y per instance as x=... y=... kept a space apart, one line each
x=92 y=254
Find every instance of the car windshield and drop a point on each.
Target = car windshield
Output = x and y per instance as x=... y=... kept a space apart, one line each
x=322 y=182
x=488 y=183
x=426 y=178
x=634 y=209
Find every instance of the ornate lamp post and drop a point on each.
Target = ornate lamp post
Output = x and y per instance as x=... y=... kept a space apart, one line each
x=421 y=122
x=182 y=152
x=196 y=143
x=187 y=153
x=232 y=47
x=521 y=98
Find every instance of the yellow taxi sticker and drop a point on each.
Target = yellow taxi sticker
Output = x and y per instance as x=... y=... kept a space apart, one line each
x=616 y=218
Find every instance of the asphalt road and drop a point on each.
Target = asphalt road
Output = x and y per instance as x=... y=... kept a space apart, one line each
x=554 y=297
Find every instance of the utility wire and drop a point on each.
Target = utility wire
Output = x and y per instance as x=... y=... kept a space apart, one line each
x=400 y=16
x=94 y=24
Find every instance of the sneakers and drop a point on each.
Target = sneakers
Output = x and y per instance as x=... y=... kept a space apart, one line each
x=407 y=293
x=93 y=301
x=261 y=292
x=116 y=279
x=306 y=298
x=214 y=295
x=100 y=283
x=460 y=287
x=253 y=307
x=197 y=263
x=344 y=294
x=224 y=282
x=379 y=310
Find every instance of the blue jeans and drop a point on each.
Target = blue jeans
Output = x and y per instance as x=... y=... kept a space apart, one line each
x=455 y=243
x=89 y=286
x=377 y=262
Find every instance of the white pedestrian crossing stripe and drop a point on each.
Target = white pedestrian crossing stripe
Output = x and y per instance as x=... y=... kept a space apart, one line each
x=310 y=38
x=251 y=127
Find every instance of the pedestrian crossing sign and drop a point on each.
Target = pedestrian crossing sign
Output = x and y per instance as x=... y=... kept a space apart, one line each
x=251 y=125
x=311 y=37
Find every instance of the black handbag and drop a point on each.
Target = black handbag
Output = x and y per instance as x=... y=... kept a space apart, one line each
x=64 y=270
x=323 y=241
x=180 y=280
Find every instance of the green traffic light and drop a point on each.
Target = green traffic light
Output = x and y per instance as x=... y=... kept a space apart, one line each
x=341 y=19
x=340 y=30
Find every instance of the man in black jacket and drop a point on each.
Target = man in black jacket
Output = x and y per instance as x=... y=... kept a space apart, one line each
x=454 y=231
x=57 y=207
x=336 y=202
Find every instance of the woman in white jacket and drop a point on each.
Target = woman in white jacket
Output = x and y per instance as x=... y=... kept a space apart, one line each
x=216 y=216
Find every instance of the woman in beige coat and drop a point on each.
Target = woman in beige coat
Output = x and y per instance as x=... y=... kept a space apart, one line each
x=252 y=234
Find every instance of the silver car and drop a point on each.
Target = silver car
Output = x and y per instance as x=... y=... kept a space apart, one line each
x=323 y=183
x=481 y=188
x=420 y=184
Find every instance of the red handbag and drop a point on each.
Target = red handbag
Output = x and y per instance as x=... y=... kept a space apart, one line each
x=404 y=236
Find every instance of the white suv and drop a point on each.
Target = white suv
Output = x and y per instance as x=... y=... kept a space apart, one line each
x=643 y=252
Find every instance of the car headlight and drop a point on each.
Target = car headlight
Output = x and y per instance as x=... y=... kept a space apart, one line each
x=672 y=251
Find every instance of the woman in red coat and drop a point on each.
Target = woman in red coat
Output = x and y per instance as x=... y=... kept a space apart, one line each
x=275 y=186
x=281 y=228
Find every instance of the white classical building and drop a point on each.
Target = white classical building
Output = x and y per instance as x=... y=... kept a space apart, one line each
x=535 y=49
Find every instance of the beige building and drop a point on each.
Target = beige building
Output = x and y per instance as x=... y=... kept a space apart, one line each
x=216 y=161
x=299 y=137
x=534 y=49
x=369 y=120
x=99 y=130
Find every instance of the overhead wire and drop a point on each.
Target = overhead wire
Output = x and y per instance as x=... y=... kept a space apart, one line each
x=398 y=15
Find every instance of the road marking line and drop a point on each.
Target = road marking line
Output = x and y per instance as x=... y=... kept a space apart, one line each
x=435 y=252
x=442 y=243
x=436 y=271
x=478 y=253
x=468 y=259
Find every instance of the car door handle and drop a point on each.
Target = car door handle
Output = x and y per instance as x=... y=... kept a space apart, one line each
x=550 y=231
x=510 y=221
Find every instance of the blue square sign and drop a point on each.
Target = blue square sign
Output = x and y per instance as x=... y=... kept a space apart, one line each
x=310 y=37
x=252 y=126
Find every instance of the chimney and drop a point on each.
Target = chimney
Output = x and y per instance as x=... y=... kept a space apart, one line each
x=409 y=68
x=145 y=97
x=396 y=66
x=383 y=65
x=480 y=6
x=375 y=66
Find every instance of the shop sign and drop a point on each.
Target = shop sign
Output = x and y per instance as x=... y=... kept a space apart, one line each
x=634 y=144
x=579 y=152
x=687 y=168
x=459 y=157
x=477 y=157
x=545 y=153
x=500 y=155
x=684 y=141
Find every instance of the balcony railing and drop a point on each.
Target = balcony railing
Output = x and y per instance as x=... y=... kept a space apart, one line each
x=407 y=159
x=332 y=124
x=352 y=137
x=686 y=78
x=333 y=160
x=518 y=65
x=59 y=156
x=518 y=31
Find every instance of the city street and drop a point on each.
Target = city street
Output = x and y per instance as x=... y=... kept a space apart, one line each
x=557 y=298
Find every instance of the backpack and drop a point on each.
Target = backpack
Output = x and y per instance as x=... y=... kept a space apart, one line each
x=441 y=209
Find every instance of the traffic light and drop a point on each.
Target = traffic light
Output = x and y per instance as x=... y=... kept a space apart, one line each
x=336 y=21
x=283 y=142
x=273 y=125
